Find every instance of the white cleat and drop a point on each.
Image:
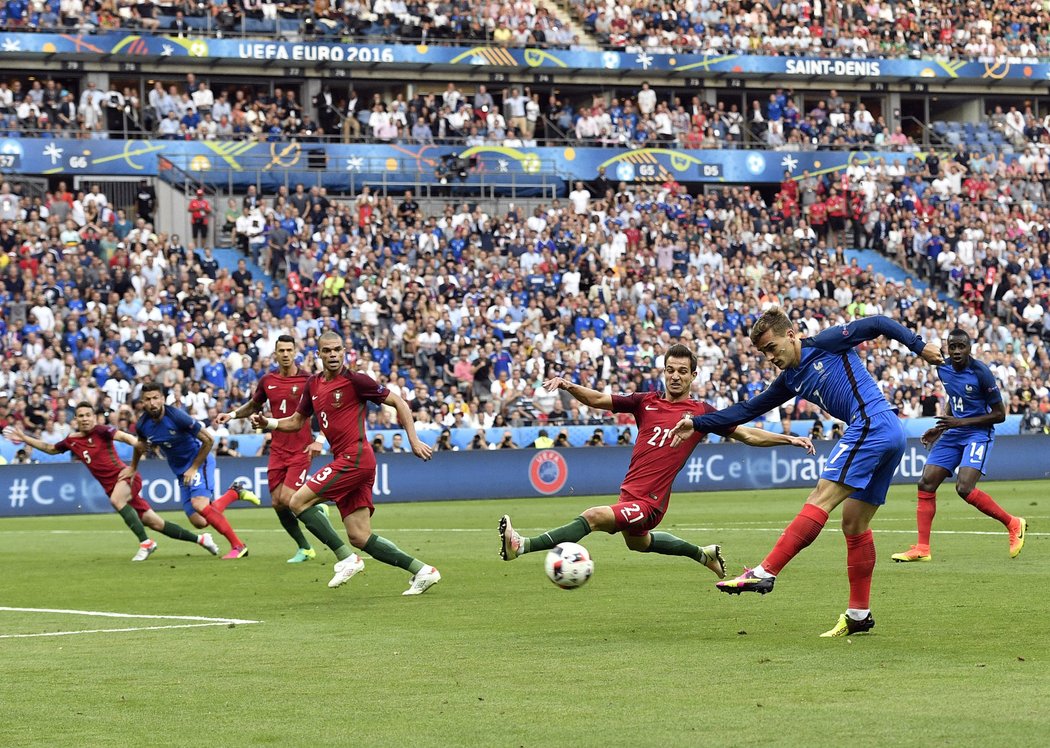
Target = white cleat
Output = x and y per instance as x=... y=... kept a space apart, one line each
x=208 y=543
x=510 y=543
x=145 y=550
x=345 y=569
x=422 y=581
x=712 y=559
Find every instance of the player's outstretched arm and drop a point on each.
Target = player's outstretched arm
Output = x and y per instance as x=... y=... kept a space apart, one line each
x=721 y=421
x=244 y=411
x=841 y=338
x=15 y=435
x=587 y=396
x=294 y=422
x=140 y=449
x=404 y=417
x=762 y=438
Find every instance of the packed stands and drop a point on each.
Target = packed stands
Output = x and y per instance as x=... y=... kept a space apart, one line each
x=465 y=313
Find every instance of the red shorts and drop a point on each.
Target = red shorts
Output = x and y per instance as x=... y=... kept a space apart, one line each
x=348 y=486
x=288 y=471
x=636 y=517
x=137 y=503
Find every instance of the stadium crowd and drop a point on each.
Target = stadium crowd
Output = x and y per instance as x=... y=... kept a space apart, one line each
x=513 y=117
x=987 y=31
x=465 y=313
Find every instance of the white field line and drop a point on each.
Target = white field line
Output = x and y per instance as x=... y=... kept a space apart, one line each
x=205 y=621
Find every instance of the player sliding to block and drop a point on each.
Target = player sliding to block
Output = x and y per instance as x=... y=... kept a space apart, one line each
x=646 y=489
x=826 y=370
x=962 y=440
x=92 y=444
x=339 y=397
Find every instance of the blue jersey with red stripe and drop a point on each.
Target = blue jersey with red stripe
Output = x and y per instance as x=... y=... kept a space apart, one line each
x=830 y=375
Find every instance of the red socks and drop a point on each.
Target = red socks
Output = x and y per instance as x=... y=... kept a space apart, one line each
x=218 y=521
x=225 y=500
x=924 y=512
x=860 y=563
x=802 y=531
x=985 y=503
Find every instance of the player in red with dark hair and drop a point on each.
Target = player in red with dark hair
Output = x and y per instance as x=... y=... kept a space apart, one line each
x=92 y=444
x=290 y=451
x=646 y=489
x=339 y=398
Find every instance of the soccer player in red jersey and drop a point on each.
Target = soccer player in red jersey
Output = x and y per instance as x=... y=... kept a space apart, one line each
x=646 y=489
x=339 y=398
x=290 y=451
x=92 y=444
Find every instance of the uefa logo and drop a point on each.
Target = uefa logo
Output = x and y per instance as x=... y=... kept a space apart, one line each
x=548 y=472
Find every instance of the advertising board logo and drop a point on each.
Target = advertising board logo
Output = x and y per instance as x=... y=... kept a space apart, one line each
x=548 y=472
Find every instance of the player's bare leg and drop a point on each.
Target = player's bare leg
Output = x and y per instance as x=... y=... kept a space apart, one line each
x=306 y=505
x=281 y=499
x=359 y=529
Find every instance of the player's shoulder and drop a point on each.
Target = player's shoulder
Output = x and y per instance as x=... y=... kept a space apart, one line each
x=702 y=407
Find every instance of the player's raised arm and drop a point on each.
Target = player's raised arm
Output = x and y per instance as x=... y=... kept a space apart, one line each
x=15 y=435
x=841 y=338
x=587 y=396
x=404 y=417
x=762 y=438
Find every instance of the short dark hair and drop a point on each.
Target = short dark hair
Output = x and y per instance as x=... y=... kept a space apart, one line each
x=678 y=350
x=958 y=332
x=84 y=404
x=286 y=338
x=153 y=387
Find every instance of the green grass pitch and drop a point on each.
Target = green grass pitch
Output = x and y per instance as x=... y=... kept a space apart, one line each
x=648 y=653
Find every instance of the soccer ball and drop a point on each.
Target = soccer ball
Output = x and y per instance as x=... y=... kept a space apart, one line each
x=569 y=565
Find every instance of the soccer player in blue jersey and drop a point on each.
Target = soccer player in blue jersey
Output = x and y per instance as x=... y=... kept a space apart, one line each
x=962 y=440
x=826 y=370
x=186 y=444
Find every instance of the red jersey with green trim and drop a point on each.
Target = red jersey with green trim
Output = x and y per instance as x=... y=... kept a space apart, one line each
x=654 y=462
x=95 y=449
x=284 y=394
x=341 y=405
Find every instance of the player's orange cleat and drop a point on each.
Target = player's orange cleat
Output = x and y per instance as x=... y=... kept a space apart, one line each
x=915 y=553
x=1017 y=530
